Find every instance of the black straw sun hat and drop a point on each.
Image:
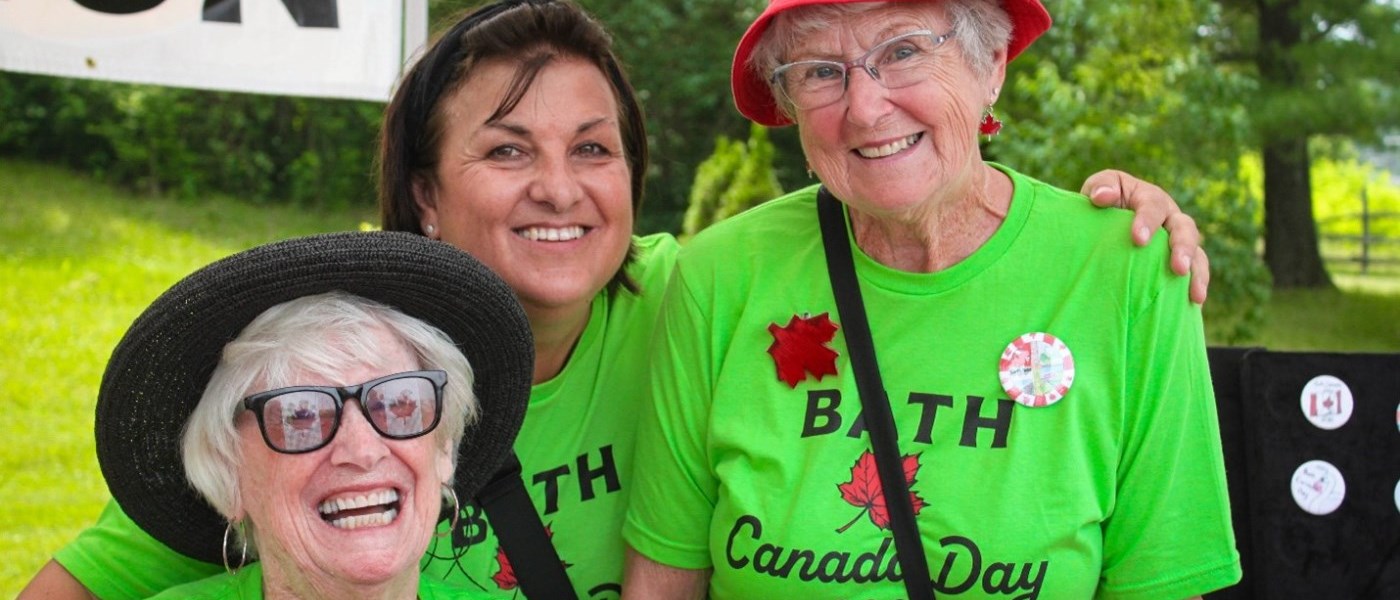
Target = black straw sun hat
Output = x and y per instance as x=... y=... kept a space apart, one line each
x=159 y=369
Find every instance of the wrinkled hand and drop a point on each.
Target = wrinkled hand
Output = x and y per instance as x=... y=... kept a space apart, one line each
x=1152 y=208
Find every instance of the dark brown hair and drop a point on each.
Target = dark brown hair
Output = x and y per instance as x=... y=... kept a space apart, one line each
x=532 y=33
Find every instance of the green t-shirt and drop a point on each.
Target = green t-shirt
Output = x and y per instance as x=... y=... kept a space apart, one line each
x=115 y=559
x=575 y=448
x=1116 y=491
x=246 y=584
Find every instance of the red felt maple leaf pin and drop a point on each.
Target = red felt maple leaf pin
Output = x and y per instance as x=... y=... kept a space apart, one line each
x=864 y=490
x=800 y=348
x=505 y=576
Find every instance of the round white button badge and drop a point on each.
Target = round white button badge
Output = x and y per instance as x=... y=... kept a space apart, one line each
x=1036 y=369
x=1326 y=402
x=1318 y=487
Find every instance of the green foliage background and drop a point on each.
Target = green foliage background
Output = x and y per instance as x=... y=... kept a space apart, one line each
x=738 y=176
x=191 y=143
x=1160 y=88
x=1109 y=87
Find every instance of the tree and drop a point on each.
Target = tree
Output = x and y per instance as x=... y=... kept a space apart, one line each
x=1322 y=68
x=1128 y=85
x=678 y=54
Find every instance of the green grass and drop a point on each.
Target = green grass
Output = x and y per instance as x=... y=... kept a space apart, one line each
x=78 y=262
x=1362 y=315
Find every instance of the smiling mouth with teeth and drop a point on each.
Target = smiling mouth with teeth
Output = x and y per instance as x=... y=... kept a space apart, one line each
x=551 y=234
x=891 y=148
x=365 y=510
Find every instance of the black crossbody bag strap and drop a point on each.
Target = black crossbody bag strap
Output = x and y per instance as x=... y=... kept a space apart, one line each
x=879 y=420
x=522 y=535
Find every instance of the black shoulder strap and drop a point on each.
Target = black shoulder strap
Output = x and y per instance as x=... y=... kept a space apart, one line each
x=522 y=535
x=879 y=420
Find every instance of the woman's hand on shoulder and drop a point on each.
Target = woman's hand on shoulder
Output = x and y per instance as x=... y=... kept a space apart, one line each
x=1152 y=208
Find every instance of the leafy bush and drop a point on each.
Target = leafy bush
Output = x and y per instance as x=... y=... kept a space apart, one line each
x=737 y=176
x=192 y=143
x=1240 y=287
x=50 y=118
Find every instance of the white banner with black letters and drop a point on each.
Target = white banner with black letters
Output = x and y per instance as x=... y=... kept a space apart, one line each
x=326 y=48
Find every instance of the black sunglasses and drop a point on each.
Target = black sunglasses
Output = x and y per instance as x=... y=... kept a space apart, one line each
x=300 y=419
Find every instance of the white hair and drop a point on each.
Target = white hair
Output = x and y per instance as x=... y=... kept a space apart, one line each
x=325 y=334
x=979 y=27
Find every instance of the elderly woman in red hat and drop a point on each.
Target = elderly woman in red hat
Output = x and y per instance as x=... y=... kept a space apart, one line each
x=930 y=374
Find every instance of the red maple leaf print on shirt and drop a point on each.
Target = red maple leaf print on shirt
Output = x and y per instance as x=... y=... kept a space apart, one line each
x=800 y=348
x=864 y=490
x=505 y=576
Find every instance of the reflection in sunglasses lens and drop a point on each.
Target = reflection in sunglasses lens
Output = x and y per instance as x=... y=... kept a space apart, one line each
x=402 y=407
x=299 y=420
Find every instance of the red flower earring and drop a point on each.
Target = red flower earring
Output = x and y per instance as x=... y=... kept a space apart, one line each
x=990 y=124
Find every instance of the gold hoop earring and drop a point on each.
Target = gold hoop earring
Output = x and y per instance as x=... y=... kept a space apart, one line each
x=456 y=512
x=242 y=536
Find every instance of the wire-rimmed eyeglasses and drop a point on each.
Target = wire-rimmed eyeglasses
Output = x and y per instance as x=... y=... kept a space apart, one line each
x=898 y=62
x=305 y=418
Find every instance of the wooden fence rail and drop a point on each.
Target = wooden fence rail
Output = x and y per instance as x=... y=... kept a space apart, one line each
x=1370 y=248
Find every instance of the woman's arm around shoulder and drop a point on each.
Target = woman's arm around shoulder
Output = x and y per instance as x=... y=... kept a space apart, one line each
x=114 y=559
x=53 y=582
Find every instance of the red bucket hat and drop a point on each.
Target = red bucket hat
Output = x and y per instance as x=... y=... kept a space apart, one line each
x=755 y=100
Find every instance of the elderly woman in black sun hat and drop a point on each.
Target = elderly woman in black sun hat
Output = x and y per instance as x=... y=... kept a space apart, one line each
x=315 y=405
